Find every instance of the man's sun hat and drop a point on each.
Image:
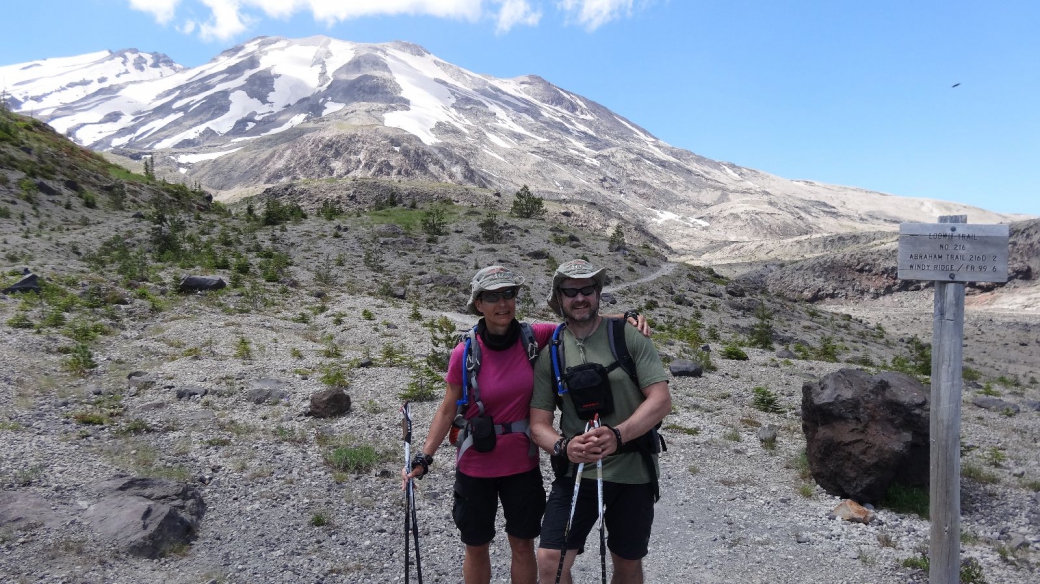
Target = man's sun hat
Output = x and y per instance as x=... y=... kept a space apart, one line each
x=577 y=270
x=488 y=279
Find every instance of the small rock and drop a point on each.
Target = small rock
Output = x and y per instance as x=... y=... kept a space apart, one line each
x=850 y=510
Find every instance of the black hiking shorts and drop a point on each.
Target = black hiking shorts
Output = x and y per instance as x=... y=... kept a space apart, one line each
x=628 y=519
x=476 y=504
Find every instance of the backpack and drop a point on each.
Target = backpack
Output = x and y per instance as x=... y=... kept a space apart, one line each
x=464 y=432
x=618 y=349
x=650 y=443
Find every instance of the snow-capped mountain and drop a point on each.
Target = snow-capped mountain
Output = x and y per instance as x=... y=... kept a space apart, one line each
x=42 y=86
x=276 y=110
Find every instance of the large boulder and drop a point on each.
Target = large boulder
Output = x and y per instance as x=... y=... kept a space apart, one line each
x=146 y=517
x=201 y=284
x=28 y=283
x=865 y=432
x=329 y=403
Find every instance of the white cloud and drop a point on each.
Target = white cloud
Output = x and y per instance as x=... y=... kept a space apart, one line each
x=595 y=13
x=332 y=11
x=230 y=18
x=162 y=9
x=514 y=12
x=227 y=22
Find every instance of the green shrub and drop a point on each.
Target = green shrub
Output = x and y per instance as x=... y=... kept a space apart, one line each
x=90 y=418
x=434 y=223
x=424 y=385
x=443 y=337
x=20 y=320
x=84 y=332
x=690 y=431
x=134 y=427
x=970 y=569
x=762 y=331
x=703 y=358
x=977 y=473
x=333 y=375
x=491 y=228
x=79 y=360
x=917 y=563
x=734 y=353
x=828 y=350
x=969 y=374
x=765 y=400
x=353 y=458
x=391 y=355
x=905 y=499
x=243 y=349
x=276 y=213
x=329 y=210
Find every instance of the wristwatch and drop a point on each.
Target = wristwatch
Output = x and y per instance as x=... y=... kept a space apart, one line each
x=423 y=460
x=632 y=314
x=560 y=448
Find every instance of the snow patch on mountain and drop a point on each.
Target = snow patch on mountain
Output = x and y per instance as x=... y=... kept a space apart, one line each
x=193 y=158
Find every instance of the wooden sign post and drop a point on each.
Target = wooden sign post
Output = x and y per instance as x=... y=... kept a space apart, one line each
x=950 y=253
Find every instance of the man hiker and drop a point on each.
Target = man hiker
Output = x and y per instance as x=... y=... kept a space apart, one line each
x=581 y=374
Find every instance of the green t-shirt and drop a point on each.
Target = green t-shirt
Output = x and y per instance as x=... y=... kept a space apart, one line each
x=622 y=468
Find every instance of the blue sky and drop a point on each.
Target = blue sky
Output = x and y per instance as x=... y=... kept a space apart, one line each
x=837 y=91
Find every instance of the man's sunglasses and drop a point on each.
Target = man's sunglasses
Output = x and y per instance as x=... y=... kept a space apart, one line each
x=572 y=292
x=507 y=294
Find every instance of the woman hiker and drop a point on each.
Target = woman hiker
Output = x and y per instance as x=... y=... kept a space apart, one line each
x=495 y=458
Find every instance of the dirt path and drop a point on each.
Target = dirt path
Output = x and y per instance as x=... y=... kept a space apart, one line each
x=665 y=269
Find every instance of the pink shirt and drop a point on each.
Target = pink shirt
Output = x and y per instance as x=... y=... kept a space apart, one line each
x=506 y=380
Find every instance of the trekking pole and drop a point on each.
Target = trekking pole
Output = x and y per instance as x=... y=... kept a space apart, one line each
x=409 y=497
x=570 y=518
x=599 y=502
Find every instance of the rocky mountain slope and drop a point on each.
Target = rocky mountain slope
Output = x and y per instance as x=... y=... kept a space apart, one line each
x=109 y=371
x=275 y=111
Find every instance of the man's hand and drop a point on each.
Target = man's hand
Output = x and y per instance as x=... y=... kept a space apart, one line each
x=591 y=446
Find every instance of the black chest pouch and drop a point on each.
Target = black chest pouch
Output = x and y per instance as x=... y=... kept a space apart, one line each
x=589 y=388
x=482 y=429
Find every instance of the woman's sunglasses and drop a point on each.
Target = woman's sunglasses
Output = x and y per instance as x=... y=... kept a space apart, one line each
x=507 y=294
x=572 y=292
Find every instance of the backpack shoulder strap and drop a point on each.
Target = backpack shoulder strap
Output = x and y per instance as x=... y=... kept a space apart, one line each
x=619 y=348
x=556 y=358
x=530 y=343
x=471 y=366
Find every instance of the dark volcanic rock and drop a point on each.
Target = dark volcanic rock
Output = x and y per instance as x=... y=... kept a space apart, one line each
x=28 y=283
x=201 y=283
x=683 y=368
x=329 y=403
x=146 y=517
x=865 y=432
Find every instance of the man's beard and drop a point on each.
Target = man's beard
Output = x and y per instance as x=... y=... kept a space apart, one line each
x=593 y=312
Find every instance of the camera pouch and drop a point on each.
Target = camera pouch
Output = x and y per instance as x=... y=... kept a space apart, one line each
x=560 y=465
x=482 y=428
x=589 y=388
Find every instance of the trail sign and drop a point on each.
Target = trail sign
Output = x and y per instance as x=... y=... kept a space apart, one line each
x=953 y=252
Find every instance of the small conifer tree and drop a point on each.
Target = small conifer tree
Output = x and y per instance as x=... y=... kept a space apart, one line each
x=617 y=239
x=526 y=205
